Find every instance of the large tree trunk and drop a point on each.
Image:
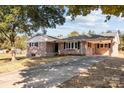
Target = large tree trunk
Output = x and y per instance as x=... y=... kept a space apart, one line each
x=13 y=51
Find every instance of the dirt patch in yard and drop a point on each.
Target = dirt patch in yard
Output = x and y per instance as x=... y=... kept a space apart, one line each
x=109 y=73
x=22 y=62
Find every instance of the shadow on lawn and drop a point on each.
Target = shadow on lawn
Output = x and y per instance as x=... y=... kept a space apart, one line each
x=8 y=59
x=108 y=73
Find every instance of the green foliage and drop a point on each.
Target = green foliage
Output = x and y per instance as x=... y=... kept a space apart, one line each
x=121 y=42
x=116 y=10
x=5 y=45
x=26 y=19
x=20 y=42
x=74 y=10
x=2 y=38
x=74 y=33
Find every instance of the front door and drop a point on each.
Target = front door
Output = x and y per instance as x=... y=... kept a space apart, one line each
x=56 y=47
x=93 y=49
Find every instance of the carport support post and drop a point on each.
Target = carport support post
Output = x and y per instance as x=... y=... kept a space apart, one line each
x=81 y=48
x=111 y=46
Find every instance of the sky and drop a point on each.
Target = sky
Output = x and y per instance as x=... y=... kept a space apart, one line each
x=82 y=24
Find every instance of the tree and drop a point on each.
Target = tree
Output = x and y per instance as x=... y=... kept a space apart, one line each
x=91 y=32
x=2 y=39
x=84 y=10
x=83 y=33
x=24 y=19
x=27 y=19
x=109 y=31
x=6 y=45
x=119 y=32
x=121 y=47
x=116 y=10
x=74 y=33
x=20 y=42
x=44 y=31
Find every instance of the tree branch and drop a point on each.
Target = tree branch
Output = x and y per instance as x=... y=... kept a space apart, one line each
x=4 y=33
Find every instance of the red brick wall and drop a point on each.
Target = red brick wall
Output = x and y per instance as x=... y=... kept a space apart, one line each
x=89 y=50
x=50 y=47
x=103 y=51
x=38 y=51
x=66 y=51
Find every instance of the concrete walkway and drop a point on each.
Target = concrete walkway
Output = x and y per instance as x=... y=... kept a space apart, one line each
x=49 y=75
x=7 y=79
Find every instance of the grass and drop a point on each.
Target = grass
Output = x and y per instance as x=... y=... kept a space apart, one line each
x=106 y=74
x=7 y=66
x=121 y=54
x=8 y=56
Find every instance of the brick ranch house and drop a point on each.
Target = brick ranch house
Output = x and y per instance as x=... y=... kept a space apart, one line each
x=44 y=45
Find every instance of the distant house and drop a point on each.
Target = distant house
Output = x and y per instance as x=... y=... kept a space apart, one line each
x=44 y=45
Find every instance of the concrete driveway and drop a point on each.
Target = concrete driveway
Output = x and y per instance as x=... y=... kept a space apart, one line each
x=51 y=75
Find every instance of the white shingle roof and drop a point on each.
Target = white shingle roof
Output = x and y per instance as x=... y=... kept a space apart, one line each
x=41 y=38
x=109 y=34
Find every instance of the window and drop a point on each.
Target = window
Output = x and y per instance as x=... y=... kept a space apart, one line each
x=109 y=45
x=89 y=45
x=72 y=45
x=36 y=44
x=78 y=45
x=97 y=45
x=106 y=45
x=64 y=45
x=69 y=45
x=33 y=54
x=33 y=44
x=30 y=44
x=101 y=45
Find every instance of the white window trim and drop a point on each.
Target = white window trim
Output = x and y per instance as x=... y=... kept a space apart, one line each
x=75 y=45
x=104 y=45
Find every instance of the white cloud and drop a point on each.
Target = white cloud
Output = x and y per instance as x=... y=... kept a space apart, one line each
x=95 y=25
x=84 y=19
x=120 y=19
x=91 y=21
x=99 y=11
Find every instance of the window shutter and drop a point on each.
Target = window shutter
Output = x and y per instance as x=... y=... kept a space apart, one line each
x=97 y=45
x=64 y=45
x=78 y=45
x=72 y=45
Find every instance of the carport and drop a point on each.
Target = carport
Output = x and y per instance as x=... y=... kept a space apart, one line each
x=100 y=47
